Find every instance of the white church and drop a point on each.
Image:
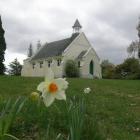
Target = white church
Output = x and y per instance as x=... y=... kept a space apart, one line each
x=54 y=56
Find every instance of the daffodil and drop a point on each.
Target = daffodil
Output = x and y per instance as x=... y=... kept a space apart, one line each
x=52 y=89
x=87 y=90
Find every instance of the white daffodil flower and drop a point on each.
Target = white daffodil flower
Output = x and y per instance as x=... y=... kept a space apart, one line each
x=87 y=90
x=52 y=89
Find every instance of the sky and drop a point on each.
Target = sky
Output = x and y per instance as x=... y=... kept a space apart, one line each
x=110 y=25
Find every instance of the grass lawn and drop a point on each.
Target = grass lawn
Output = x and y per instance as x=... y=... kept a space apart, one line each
x=112 y=109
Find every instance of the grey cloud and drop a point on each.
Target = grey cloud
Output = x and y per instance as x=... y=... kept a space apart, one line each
x=109 y=24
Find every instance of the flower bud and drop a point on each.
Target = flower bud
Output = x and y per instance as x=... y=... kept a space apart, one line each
x=34 y=96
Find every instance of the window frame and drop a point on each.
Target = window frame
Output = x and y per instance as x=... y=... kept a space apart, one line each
x=49 y=63
x=59 y=62
x=41 y=64
x=33 y=65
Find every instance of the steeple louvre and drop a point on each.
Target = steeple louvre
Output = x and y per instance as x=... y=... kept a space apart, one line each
x=76 y=27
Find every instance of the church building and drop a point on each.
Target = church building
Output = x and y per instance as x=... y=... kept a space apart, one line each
x=54 y=56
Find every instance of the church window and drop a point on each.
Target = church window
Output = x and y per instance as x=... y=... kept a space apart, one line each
x=41 y=64
x=33 y=65
x=49 y=63
x=91 y=67
x=58 y=62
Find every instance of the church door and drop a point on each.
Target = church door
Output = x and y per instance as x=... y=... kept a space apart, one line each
x=91 y=67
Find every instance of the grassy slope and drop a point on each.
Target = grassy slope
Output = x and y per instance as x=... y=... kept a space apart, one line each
x=114 y=104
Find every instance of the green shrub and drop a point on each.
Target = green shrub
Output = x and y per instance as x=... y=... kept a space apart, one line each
x=71 y=69
x=129 y=69
x=108 y=69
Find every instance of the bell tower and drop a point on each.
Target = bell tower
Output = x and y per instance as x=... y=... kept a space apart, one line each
x=76 y=27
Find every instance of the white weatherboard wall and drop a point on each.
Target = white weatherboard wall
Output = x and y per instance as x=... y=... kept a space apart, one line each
x=76 y=47
x=58 y=70
x=91 y=56
x=28 y=70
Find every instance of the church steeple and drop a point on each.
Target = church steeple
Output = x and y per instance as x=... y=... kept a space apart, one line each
x=76 y=27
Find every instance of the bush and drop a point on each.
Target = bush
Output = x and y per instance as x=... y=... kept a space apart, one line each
x=129 y=69
x=108 y=69
x=71 y=69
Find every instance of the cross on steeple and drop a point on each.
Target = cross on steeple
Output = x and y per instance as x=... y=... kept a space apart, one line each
x=76 y=27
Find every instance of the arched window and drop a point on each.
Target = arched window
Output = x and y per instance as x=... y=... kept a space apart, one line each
x=58 y=62
x=79 y=64
x=33 y=65
x=49 y=63
x=91 y=67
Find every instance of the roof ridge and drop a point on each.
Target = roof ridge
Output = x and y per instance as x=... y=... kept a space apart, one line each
x=58 y=40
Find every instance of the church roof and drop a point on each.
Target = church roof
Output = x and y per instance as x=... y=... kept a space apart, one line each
x=55 y=48
x=77 y=24
x=80 y=56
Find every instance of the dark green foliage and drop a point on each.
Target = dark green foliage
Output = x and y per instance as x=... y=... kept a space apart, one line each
x=15 y=68
x=129 y=69
x=9 y=112
x=2 y=48
x=108 y=70
x=76 y=111
x=71 y=69
x=139 y=53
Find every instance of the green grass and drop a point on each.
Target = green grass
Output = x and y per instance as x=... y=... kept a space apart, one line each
x=113 y=109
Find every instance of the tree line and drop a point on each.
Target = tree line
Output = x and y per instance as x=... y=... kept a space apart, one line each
x=130 y=68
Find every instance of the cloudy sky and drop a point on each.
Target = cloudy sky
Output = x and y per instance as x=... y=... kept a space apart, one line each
x=110 y=25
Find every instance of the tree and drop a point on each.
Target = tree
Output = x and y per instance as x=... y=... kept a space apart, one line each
x=129 y=69
x=2 y=49
x=71 y=69
x=135 y=45
x=138 y=28
x=30 y=51
x=108 y=69
x=15 y=68
x=133 y=48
